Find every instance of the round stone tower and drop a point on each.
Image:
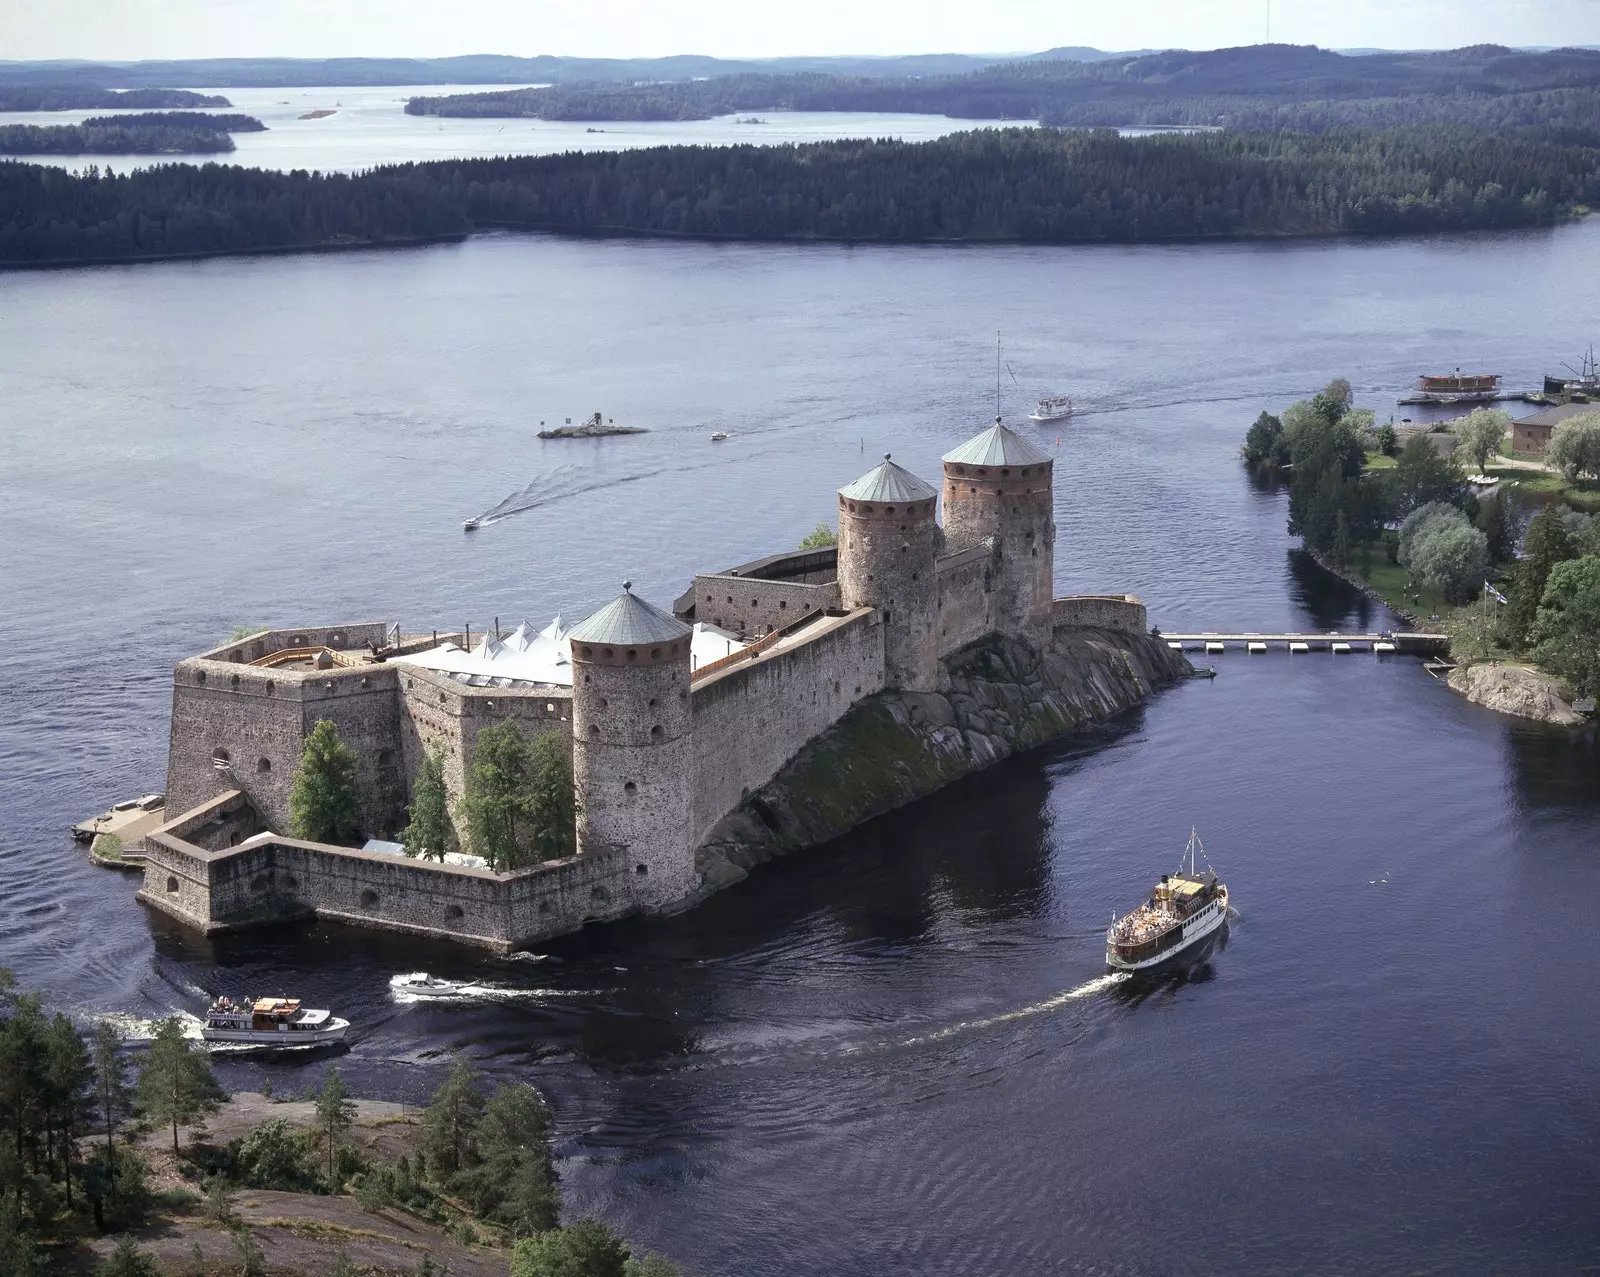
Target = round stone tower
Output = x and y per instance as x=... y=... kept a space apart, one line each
x=632 y=752
x=998 y=489
x=888 y=547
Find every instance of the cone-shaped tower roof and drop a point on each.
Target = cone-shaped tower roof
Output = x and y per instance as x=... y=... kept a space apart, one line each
x=888 y=482
x=628 y=620
x=997 y=446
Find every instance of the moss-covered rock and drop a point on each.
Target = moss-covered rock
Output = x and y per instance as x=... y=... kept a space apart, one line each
x=999 y=697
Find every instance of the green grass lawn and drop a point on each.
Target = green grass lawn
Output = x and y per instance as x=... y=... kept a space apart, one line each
x=1377 y=461
x=1583 y=494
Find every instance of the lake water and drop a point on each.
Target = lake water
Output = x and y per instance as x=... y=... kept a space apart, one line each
x=369 y=126
x=896 y=1054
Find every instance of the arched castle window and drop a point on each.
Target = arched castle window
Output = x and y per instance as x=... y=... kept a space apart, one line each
x=386 y=757
x=263 y=764
x=172 y=885
x=369 y=898
x=234 y=681
x=655 y=732
x=641 y=870
x=220 y=755
x=655 y=653
x=888 y=509
x=629 y=787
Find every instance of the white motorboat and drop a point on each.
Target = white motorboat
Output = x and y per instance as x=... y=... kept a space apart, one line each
x=719 y=436
x=1052 y=408
x=271 y=1022
x=420 y=983
x=469 y=525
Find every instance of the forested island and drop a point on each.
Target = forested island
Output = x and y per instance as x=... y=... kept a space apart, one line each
x=988 y=186
x=137 y=133
x=89 y=97
x=1261 y=87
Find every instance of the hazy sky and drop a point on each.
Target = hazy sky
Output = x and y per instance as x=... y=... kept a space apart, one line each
x=126 y=29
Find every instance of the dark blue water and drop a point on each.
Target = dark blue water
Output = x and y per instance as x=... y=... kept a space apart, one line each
x=896 y=1054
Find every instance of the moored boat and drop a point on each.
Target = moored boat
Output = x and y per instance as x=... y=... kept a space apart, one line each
x=1052 y=408
x=270 y=1022
x=1457 y=387
x=1185 y=914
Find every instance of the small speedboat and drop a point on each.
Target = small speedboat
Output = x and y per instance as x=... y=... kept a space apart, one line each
x=270 y=1022
x=469 y=525
x=420 y=982
x=719 y=436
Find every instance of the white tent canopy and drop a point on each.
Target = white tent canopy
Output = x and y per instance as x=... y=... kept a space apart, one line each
x=543 y=657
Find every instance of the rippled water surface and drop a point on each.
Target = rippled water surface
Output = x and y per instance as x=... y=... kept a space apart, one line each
x=897 y=1054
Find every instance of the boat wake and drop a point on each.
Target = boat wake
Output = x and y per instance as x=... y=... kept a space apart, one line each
x=138 y=1031
x=1053 y=1003
x=420 y=987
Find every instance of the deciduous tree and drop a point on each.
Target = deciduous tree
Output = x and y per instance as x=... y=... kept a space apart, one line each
x=1575 y=446
x=1566 y=632
x=1547 y=543
x=1480 y=433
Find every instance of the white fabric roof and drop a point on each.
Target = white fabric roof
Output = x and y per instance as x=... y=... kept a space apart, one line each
x=543 y=657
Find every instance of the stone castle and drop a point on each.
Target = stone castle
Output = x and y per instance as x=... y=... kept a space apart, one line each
x=667 y=751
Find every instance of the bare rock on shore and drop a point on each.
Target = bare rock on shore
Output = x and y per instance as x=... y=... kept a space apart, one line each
x=1515 y=689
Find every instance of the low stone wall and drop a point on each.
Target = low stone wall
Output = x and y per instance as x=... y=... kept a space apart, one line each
x=265 y=642
x=268 y=878
x=753 y=607
x=1122 y=612
x=753 y=717
x=1003 y=698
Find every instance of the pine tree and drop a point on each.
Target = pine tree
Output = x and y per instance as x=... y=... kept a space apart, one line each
x=325 y=803
x=335 y=1113
x=69 y=1081
x=429 y=833
x=450 y=1123
x=176 y=1084
x=127 y=1260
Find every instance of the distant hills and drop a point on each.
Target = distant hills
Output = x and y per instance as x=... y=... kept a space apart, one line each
x=1257 y=87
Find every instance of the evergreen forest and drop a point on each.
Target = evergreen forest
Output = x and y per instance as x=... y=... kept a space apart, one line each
x=1261 y=87
x=89 y=97
x=1026 y=185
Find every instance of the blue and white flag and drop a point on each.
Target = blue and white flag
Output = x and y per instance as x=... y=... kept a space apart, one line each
x=1494 y=593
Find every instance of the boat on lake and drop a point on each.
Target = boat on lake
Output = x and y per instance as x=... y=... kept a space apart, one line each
x=420 y=982
x=271 y=1022
x=1456 y=387
x=1052 y=408
x=469 y=525
x=1185 y=914
x=719 y=436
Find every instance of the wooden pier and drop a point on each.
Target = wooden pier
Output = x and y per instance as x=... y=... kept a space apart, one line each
x=1403 y=643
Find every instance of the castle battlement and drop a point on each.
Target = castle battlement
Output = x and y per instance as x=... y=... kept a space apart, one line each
x=667 y=739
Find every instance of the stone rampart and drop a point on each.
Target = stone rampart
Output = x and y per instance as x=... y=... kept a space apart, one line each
x=244 y=727
x=1121 y=612
x=966 y=596
x=265 y=642
x=751 y=718
x=268 y=878
x=753 y=607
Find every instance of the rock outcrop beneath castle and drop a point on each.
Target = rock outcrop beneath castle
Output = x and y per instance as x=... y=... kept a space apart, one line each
x=998 y=697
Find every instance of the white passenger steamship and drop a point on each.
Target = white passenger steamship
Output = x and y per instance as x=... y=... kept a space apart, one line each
x=1177 y=925
x=271 y=1022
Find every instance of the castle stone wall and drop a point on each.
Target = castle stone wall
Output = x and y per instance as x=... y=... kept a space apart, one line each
x=266 y=642
x=441 y=715
x=272 y=878
x=1015 y=506
x=751 y=718
x=1122 y=612
x=966 y=597
x=244 y=726
x=753 y=607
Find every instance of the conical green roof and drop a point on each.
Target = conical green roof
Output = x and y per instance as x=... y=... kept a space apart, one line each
x=888 y=482
x=997 y=446
x=628 y=621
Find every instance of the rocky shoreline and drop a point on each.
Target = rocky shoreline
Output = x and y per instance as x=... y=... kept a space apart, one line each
x=1520 y=690
x=997 y=698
